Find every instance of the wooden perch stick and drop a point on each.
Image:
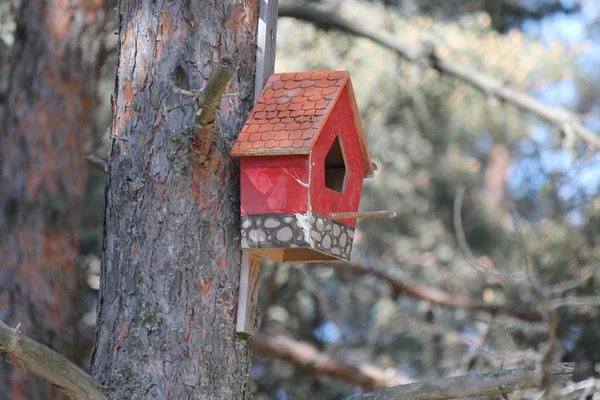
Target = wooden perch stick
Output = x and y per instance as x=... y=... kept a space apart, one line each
x=566 y=120
x=364 y=214
x=493 y=383
x=38 y=359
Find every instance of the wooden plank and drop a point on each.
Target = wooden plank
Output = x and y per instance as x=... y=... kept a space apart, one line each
x=364 y=214
x=265 y=65
x=248 y=294
x=265 y=46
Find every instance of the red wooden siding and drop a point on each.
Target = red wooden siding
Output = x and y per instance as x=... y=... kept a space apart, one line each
x=324 y=200
x=274 y=184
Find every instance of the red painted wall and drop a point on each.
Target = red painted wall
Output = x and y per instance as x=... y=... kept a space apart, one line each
x=274 y=184
x=324 y=200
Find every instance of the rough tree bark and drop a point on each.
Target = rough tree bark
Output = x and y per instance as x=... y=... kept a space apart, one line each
x=171 y=250
x=44 y=136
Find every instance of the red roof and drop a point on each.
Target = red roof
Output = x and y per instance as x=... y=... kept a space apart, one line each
x=290 y=112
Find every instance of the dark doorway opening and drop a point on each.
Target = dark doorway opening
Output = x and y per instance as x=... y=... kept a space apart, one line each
x=335 y=167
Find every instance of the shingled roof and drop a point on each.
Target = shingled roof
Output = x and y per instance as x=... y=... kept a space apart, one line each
x=291 y=111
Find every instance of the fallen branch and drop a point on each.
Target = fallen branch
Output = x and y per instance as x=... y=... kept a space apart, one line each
x=493 y=383
x=305 y=356
x=38 y=359
x=567 y=121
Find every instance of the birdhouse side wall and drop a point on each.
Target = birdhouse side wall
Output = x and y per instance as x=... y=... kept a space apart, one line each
x=274 y=184
x=322 y=199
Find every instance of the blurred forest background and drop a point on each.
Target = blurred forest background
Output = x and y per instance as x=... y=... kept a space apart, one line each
x=460 y=282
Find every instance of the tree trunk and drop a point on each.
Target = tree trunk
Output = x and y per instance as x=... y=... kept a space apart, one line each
x=171 y=258
x=46 y=128
x=498 y=162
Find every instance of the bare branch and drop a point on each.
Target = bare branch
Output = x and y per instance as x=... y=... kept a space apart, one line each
x=541 y=10
x=305 y=356
x=187 y=93
x=38 y=359
x=551 y=355
x=445 y=299
x=440 y=297
x=540 y=289
x=531 y=274
x=585 y=387
x=462 y=240
x=574 y=283
x=492 y=383
x=492 y=87
x=579 y=303
x=309 y=358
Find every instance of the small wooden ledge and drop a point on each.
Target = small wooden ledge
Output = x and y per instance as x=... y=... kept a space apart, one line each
x=364 y=214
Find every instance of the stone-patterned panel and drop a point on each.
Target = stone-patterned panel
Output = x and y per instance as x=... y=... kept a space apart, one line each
x=331 y=237
x=270 y=231
x=302 y=230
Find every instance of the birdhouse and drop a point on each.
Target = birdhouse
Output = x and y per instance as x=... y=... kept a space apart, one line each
x=303 y=158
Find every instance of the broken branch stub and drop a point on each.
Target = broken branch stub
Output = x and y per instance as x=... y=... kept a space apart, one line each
x=210 y=98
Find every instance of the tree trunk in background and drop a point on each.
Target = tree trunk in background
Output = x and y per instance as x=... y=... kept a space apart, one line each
x=171 y=257
x=46 y=128
x=498 y=162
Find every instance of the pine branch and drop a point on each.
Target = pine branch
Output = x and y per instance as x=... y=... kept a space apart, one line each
x=567 y=121
x=38 y=359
